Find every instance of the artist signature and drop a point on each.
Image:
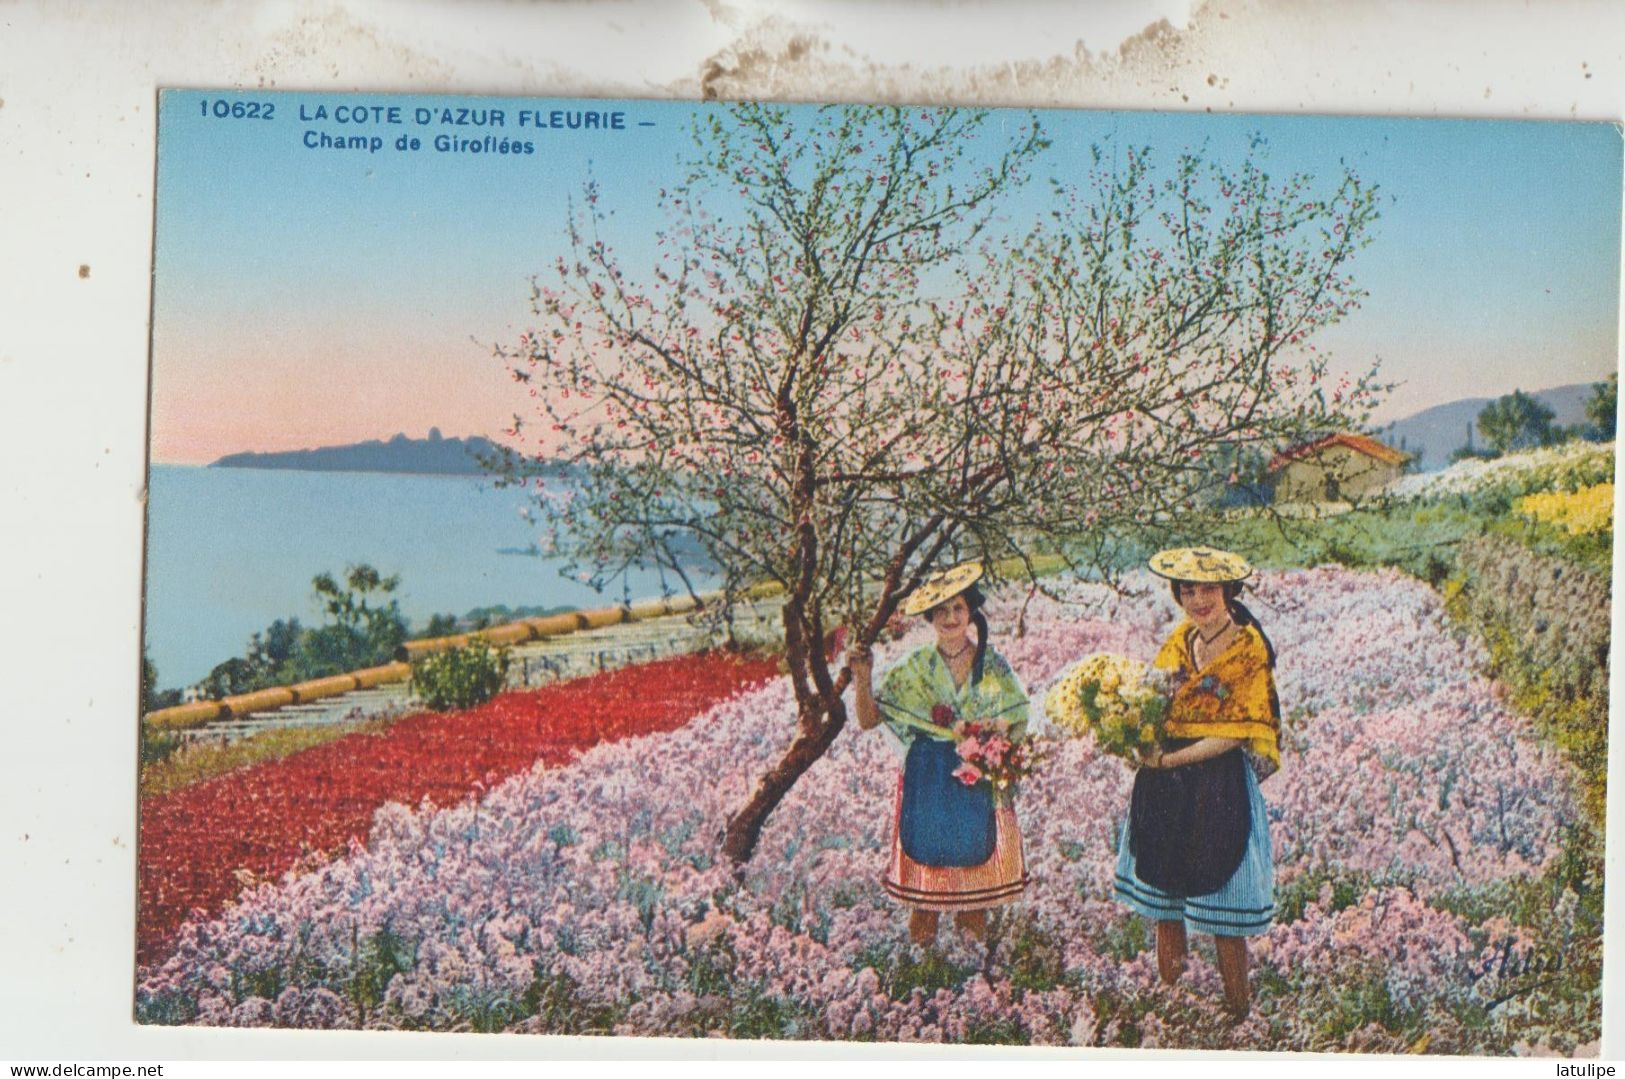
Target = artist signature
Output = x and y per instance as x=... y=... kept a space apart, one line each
x=1508 y=973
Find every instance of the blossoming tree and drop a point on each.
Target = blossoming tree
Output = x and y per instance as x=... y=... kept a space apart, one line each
x=852 y=361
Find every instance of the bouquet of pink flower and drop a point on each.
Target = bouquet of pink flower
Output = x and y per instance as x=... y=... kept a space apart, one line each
x=987 y=752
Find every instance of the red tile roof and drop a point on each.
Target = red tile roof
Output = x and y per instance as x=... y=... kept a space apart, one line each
x=1358 y=443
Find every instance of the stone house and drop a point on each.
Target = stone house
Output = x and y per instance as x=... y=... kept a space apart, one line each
x=1338 y=468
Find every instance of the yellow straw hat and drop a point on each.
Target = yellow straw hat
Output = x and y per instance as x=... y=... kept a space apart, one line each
x=941 y=587
x=1206 y=564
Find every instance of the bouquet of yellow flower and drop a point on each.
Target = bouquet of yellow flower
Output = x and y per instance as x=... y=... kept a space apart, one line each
x=1122 y=702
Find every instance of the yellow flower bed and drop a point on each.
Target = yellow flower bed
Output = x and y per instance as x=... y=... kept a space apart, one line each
x=1583 y=513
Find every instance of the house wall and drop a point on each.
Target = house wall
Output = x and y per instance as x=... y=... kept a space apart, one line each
x=1355 y=474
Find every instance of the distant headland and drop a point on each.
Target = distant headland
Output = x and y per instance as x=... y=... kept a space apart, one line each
x=435 y=455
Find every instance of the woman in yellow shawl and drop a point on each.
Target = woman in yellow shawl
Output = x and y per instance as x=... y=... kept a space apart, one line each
x=1196 y=851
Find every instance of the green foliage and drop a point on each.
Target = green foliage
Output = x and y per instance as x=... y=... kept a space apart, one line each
x=1415 y=538
x=235 y=675
x=460 y=677
x=278 y=646
x=1593 y=552
x=1603 y=407
x=374 y=962
x=902 y=969
x=1127 y=938
x=741 y=1007
x=1033 y=958
x=158 y=746
x=756 y=1013
x=153 y=698
x=1516 y=422
x=1470 y=452
x=1359 y=1002
x=149 y=683
x=989 y=1031
x=485 y=1010
x=441 y=625
x=1545 y=621
x=642 y=892
x=1294 y=897
x=711 y=969
x=554 y=997
x=174 y=1008
x=498 y=613
x=364 y=629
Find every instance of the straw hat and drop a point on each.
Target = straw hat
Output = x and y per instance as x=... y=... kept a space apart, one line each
x=1206 y=564
x=941 y=587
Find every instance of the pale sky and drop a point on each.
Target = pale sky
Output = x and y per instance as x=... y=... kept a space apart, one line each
x=309 y=296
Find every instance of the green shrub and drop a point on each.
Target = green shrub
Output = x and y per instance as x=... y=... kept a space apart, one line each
x=158 y=746
x=365 y=627
x=1416 y=538
x=1592 y=551
x=1545 y=622
x=460 y=677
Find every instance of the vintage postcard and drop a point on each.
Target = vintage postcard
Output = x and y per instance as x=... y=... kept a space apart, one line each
x=868 y=574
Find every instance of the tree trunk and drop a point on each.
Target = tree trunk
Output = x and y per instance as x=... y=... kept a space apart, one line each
x=821 y=710
x=820 y=723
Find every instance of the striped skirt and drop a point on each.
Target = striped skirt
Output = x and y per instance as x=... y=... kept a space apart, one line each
x=1243 y=907
x=997 y=881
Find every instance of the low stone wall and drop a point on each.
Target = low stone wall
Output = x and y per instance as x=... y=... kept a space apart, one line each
x=543 y=649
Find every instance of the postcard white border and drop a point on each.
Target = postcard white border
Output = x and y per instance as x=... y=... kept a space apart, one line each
x=77 y=112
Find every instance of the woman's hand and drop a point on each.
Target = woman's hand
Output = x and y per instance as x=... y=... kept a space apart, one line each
x=862 y=664
x=1204 y=750
x=1151 y=756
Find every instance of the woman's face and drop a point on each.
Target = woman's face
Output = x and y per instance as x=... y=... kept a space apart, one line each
x=1203 y=602
x=951 y=620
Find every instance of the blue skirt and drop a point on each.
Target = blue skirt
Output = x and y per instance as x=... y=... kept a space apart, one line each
x=1243 y=907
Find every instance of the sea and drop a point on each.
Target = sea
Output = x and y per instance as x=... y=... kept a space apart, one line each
x=231 y=550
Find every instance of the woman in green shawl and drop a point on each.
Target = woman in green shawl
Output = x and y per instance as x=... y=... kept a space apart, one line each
x=955 y=846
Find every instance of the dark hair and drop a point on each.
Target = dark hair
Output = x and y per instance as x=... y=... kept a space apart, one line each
x=974 y=600
x=1241 y=616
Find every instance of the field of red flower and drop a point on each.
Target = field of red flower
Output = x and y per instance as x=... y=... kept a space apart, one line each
x=199 y=844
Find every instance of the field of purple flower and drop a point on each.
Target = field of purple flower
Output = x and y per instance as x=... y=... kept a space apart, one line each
x=1417 y=823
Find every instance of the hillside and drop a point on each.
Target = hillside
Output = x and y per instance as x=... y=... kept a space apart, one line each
x=434 y=455
x=1437 y=432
